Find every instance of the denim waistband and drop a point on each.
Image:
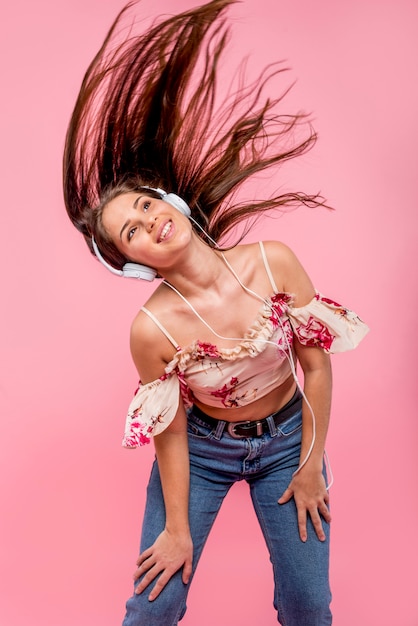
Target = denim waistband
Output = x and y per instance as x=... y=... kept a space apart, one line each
x=250 y=428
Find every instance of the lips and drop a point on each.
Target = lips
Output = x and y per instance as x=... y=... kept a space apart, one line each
x=165 y=230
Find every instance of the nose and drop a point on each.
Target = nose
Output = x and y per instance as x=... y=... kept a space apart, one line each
x=150 y=223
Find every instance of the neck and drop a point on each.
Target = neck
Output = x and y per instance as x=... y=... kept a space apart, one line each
x=238 y=280
x=201 y=269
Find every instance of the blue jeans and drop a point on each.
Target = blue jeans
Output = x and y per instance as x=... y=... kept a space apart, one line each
x=217 y=460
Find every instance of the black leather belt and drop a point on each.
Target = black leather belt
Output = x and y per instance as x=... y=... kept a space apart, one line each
x=250 y=428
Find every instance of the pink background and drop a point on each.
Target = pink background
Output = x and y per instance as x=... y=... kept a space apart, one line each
x=71 y=497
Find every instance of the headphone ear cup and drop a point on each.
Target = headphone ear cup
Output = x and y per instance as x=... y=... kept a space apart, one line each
x=178 y=203
x=135 y=270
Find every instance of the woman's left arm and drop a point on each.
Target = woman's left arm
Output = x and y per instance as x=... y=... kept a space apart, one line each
x=308 y=486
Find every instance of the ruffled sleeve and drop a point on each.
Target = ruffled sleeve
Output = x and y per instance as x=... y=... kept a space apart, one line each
x=152 y=409
x=326 y=324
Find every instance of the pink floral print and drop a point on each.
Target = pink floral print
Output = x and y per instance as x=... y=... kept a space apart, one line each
x=228 y=396
x=314 y=333
x=202 y=368
x=225 y=392
x=140 y=432
x=280 y=303
x=204 y=350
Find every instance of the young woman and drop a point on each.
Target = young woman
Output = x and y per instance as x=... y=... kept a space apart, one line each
x=217 y=343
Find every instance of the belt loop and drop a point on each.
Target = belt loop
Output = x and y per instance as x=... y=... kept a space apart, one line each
x=272 y=426
x=219 y=429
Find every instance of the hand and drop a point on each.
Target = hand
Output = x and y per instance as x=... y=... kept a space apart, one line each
x=166 y=556
x=308 y=489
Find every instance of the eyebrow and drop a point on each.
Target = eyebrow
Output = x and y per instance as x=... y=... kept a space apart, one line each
x=135 y=204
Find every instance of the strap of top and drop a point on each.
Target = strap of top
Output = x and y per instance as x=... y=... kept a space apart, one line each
x=267 y=266
x=165 y=331
x=161 y=327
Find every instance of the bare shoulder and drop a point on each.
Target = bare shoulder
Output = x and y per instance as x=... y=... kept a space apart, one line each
x=276 y=251
x=143 y=331
x=291 y=275
x=279 y=253
x=281 y=260
x=150 y=349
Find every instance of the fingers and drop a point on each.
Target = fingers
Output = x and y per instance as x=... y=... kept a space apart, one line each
x=161 y=561
x=317 y=524
x=324 y=511
x=317 y=513
x=165 y=576
x=143 y=557
x=159 y=585
x=302 y=518
x=287 y=495
x=146 y=562
x=187 y=571
x=316 y=508
x=149 y=576
x=149 y=571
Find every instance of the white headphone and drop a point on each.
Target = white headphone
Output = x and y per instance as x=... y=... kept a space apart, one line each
x=135 y=270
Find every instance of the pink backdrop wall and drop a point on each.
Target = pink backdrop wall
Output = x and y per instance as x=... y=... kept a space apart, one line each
x=71 y=497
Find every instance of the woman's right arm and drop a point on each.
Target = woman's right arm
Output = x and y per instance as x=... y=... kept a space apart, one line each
x=173 y=548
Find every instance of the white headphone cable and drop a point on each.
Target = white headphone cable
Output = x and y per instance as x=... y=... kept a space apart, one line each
x=288 y=353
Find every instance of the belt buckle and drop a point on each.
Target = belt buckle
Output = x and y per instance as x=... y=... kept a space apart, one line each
x=232 y=425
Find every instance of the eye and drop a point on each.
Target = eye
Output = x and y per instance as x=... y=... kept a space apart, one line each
x=146 y=206
x=131 y=233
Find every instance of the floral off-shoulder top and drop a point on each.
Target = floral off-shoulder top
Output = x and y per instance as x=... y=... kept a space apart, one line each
x=235 y=377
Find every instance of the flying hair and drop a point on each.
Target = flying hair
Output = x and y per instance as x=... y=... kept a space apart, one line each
x=148 y=114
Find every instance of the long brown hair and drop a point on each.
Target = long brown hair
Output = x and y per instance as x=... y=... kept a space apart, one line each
x=146 y=115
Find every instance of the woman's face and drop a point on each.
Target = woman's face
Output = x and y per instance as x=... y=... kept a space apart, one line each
x=146 y=230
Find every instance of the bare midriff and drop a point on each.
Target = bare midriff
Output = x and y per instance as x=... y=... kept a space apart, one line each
x=268 y=404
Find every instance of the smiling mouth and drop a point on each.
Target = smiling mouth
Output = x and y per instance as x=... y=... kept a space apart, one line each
x=164 y=232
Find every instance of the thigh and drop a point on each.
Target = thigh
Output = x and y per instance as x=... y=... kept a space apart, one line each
x=302 y=593
x=168 y=607
x=207 y=491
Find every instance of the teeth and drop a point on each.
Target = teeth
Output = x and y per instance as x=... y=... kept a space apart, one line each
x=165 y=231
